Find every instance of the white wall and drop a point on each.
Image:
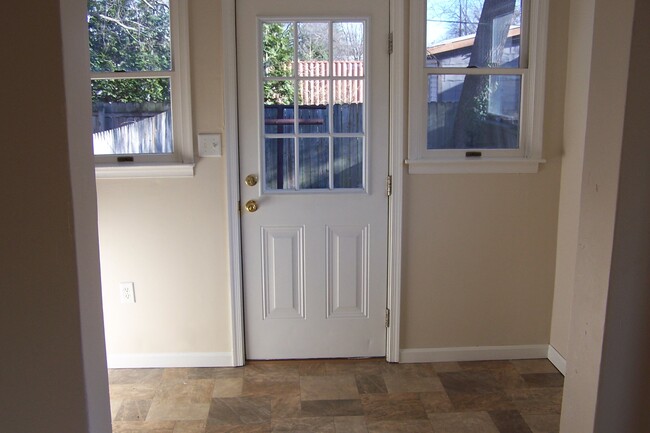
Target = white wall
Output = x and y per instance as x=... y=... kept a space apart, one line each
x=604 y=109
x=575 y=121
x=624 y=386
x=52 y=370
x=84 y=200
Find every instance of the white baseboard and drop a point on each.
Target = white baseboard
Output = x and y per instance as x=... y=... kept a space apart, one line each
x=478 y=353
x=170 y=360
x=558 y=360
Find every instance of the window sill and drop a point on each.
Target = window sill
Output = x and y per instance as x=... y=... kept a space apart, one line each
x=136 y=171
x=478 y=166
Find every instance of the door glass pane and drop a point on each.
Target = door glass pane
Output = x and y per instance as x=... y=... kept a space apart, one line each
x=474 y=111
x=348 y=162
x=279 y=161
x=348 y=106
x=476 y=33
x=348 y=47
x=314 y=106
x=278 y=107
x=313 y=49
x=314 y=163
x=278 y=49
x=132 y=116
x=316 y=68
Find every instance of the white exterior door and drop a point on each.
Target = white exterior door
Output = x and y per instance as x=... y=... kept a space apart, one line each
x=313 y=116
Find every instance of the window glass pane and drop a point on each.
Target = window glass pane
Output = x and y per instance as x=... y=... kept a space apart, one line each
x=348 y=162
x=278 y=107
x=473 y=111
x=314 y=106
x=348 y=46
x=278 y=46
x=279 y=161
x=314 y=163
x=476 y=33
x=313 y=49
x=131 y=116
x=129 y=35
x=348 y=106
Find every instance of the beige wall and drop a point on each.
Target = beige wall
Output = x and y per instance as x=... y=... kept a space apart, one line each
x=43 y=331
x=169 y=236
x=479 y=250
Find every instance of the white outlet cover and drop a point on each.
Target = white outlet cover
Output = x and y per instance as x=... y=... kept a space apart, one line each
x=127 y=293
x=209 y=145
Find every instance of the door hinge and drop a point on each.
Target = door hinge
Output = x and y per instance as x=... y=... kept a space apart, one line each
x=239 y=206
x=390 y=43
x=389 y=185
x=387 y=320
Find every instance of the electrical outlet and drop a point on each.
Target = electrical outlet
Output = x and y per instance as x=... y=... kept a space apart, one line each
x=127 y=293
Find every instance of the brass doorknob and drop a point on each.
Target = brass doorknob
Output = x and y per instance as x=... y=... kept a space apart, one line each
x=251 y=180
x=251 y=206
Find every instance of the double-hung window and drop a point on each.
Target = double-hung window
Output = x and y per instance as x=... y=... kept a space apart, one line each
x=476 y=85
x=140 y=85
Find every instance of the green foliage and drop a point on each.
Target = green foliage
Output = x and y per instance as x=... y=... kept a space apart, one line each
x=129 y=35
x=278 y=62
x=313 y=44
x=131 y=90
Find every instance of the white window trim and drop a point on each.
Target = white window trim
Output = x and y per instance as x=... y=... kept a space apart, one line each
x=423 y=161
x=181 y=162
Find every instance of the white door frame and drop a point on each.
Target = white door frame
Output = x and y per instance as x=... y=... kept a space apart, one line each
x=396 y=169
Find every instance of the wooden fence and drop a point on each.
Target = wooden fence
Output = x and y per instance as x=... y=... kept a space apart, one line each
x=347 y=118
x=132 y=128
x=314 y=163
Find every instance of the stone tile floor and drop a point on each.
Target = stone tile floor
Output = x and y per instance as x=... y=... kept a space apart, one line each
x=340 y=396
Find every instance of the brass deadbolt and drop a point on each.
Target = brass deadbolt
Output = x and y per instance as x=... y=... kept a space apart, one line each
x=251 y=180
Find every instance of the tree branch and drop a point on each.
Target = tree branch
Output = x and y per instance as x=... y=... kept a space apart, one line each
x=118 y=22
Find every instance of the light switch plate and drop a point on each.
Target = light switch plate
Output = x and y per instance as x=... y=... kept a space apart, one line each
x=209 y=145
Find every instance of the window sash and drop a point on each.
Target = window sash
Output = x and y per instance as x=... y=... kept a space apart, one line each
x=180 y=93
x=532 y=55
